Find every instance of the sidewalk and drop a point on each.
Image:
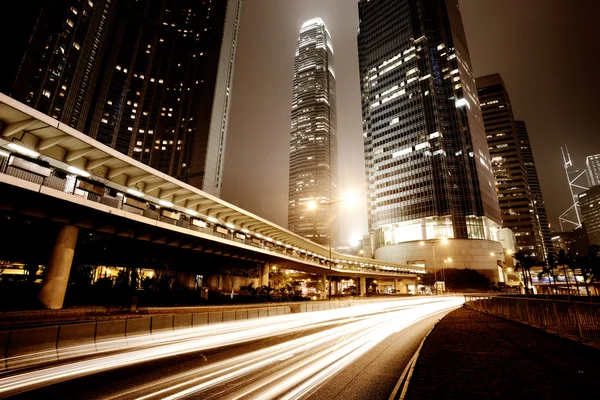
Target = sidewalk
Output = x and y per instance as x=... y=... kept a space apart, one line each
x=472 y=355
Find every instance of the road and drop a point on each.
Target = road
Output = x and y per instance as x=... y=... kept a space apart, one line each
x=349 y=353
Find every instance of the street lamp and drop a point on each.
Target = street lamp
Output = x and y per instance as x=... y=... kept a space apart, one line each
x=349 y=198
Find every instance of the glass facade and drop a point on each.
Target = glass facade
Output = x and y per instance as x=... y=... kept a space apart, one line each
x=150 y=79
x=589 y=202
x=313 y=142
x=593 y=169
x=427 y=163
x=508 y=162
x=534 y=186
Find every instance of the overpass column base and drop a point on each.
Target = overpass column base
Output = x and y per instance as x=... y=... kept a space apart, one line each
x=56 y=278
x=264 y=274
x=325 y=291
x=363 y=286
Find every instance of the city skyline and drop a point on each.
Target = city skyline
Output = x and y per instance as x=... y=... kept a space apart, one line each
x=267 y=60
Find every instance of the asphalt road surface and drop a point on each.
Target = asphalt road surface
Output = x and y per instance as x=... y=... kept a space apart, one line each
x=349 y=353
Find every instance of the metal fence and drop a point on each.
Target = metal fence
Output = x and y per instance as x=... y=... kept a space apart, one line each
x=580 y=320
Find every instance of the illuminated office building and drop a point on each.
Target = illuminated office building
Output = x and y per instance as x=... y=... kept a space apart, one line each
x=593 y=169
x=313 y=143
x=534 y=187
x=510 y=172
x=428 y=168
x=151 y=79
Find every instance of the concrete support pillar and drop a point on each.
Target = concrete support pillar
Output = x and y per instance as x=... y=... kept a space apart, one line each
x=187 y=280
x=363 y=286
x=397 y=285
x=264 y=274
x=325 y=290
x=416 y=285
x=57 y=273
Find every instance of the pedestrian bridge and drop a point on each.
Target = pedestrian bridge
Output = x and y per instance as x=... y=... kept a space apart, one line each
x=53 y=171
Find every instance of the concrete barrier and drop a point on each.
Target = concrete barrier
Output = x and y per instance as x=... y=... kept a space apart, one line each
x=30 y=340
x=215 y=317
x=4 y=337
x=161 y=323
x=199 y=319
x=181 y=321
x=138 y=326
x=76 y=334
x=228 y=316
x=114 y=329
x=263 y=312
x=271 y=311
x=253 y=313
x=241 y=314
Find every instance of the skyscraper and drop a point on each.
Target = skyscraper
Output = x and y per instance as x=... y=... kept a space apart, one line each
x=534 y=186
x=512 y=184
x=428 y=167
x=589 y=201
x=150 y=79
x=593 y=168
x=313 y=142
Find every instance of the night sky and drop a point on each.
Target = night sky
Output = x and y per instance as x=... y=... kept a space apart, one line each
x=547 y=51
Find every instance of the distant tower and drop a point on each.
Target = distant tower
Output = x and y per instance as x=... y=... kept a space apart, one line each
x=576 y=177
x=313 y=144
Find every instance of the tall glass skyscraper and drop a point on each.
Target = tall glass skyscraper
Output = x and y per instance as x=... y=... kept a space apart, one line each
x=429 y=175
x=313 y=142
x=428 y=167
x=534 y=187
x=151 y=79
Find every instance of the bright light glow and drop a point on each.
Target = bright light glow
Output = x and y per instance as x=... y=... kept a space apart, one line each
x=135 y=193
x=422 y=243
x=23 y=150
x=444 y=241
x=350 y=199
x=258 y=235
x=230 y=226
x=165 y=203
x=311 y=205
x=245 y=230
x=191 y=212
x=79 y=172
x=462 y=103
x=492 y=254
x=4 y=153
x=213 y=220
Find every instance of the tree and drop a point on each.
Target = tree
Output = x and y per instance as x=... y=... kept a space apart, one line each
x=548 y=268
x=563 y=261
x=524 y=263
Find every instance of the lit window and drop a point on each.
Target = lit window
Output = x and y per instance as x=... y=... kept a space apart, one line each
x=109 y=103
x=70 y=23
x=46 y=93
x=76 y=45
x=104 y=120
x=74 y=10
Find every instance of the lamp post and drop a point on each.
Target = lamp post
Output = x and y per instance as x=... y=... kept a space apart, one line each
x=312 y=205
x=433 y=244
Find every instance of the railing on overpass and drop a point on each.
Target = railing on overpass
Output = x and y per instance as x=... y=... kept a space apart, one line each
x=47 y=172
x=575 y=319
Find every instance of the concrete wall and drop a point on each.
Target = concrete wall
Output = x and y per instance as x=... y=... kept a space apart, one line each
x=465 y=253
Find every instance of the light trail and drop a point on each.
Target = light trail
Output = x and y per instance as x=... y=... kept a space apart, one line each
x=293 y=368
